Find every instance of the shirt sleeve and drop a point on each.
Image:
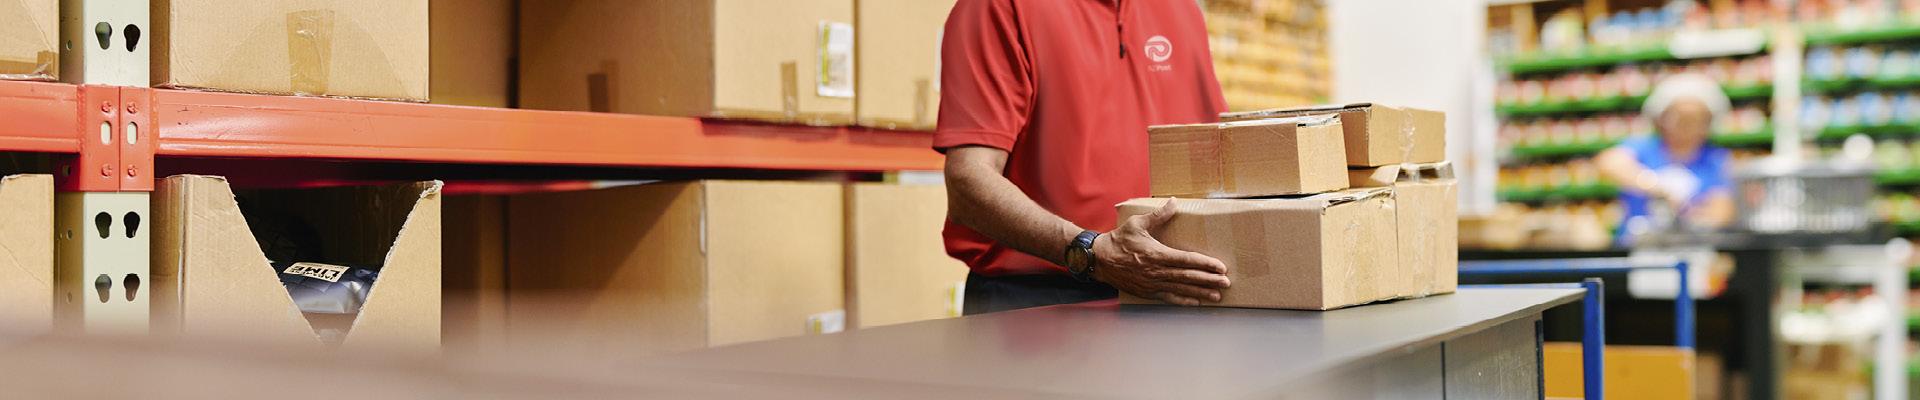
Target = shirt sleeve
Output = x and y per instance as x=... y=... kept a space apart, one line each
x=986 y=82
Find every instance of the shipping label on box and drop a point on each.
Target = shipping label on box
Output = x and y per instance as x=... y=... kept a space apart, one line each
x=1268 y=157
x=1376 y=135
x=1316 y=252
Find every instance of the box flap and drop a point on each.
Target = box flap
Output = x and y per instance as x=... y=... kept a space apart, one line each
x=1279 y=112
x=215 y=270
x=1302 y=120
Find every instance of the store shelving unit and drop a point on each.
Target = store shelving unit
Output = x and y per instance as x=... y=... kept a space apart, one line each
x=228 y=125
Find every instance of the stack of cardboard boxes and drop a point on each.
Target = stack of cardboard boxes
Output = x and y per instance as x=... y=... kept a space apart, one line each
x=1315 y=208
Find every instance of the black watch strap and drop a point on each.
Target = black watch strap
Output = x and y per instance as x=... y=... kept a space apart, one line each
x=1083 y=246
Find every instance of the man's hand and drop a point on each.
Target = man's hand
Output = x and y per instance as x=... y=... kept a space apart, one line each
x=1130 y=259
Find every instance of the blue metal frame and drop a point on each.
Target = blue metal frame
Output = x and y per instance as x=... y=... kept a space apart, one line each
x=1593 y=329
x=1683 y=335
x=1593 y=307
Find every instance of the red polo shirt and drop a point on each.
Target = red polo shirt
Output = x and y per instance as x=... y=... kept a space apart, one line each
x=1068 y=88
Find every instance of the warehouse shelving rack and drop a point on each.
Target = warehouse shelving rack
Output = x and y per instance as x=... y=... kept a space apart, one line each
x=107 y=127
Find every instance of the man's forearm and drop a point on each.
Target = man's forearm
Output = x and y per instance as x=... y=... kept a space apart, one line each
x=983 y=199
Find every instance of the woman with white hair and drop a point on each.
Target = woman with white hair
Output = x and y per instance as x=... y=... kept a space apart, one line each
x=1676 y=166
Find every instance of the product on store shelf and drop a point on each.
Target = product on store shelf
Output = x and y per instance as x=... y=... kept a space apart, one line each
x=1874 y=109
x=1824 y=62
x=1862 y=62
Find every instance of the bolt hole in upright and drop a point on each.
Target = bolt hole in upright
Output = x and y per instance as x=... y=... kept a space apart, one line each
x=104 y=32
x=132 y=283
x=133 y=223
x=133 y=37
x=103 y=223
x=102 y=285
x=133 y=133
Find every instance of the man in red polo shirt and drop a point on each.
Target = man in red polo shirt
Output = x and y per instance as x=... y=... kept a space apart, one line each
x=1044 y=111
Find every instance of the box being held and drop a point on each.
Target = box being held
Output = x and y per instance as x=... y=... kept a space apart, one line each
x=1317 y=252
x=1426 y=211
x=1265 y=157
x=1376 y=134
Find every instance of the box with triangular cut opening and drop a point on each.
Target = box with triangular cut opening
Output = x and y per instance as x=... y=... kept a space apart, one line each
x=214 y=278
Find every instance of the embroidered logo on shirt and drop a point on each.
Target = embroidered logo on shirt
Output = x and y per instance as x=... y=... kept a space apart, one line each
x=1158 y=48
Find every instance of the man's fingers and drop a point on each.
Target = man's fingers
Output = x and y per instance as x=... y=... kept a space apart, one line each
x=1171 y=298
x=1190 y=291
x=1196 y=278
x=1160 y=216
x=1176 y=258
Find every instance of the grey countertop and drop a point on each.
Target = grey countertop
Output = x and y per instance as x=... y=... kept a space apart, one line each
x=1109 y=350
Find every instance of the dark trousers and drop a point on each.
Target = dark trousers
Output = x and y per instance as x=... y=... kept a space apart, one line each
x=987 y=294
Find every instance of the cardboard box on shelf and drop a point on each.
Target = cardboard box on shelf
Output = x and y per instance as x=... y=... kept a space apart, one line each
x=664 y=267
x=26 y=238
x=213 y=278
x=1426 y=209
x=372 y=49
x=781 y=61
x=29 y=40
x=898 y=57
x=898 y=270
x=1377 y=134
x=1267 y=157
x=1316 y=252
x=474 y=274
x=471 y=52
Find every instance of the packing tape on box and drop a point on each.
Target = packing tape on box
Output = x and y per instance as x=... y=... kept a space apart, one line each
x=1251 y=228
x=790 y=89
x=309 y=51
x=41 y=68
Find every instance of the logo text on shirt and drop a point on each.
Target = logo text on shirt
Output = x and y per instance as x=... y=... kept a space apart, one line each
x=1159 y=49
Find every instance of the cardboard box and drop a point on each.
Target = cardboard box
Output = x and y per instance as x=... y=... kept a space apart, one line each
x=898 y=270
x=898 y=56
x=373 y=49
x=474 y=274
x=1632 y=372
x=1268 y=157
x=1317 y=252
x=26 y=255
x=781 y=61
x=213 y=280
x=648 y=269
x=471 y=52
x=1377 y=134
x=29 y=40
x=1426 y=211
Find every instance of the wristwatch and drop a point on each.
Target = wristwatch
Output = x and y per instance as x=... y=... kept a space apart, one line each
x=1080 y=256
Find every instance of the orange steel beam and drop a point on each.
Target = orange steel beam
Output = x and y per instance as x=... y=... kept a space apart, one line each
x=39 y=117
x=241 y=125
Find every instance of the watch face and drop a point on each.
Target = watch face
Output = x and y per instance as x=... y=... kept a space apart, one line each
x=1076 y=260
